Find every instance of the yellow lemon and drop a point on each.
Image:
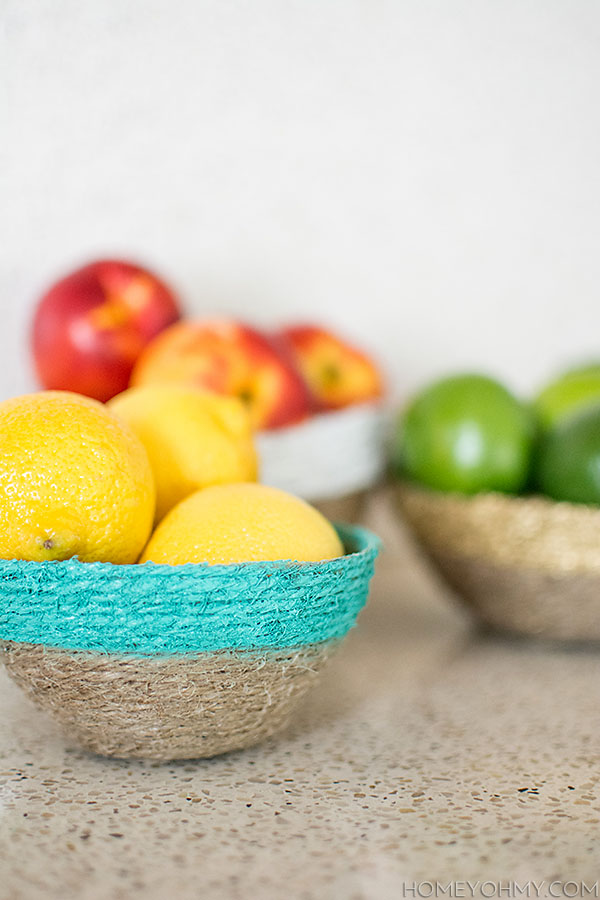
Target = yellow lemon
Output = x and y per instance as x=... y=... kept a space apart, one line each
x=74 y=481
x=193 y=438
x=234 y=523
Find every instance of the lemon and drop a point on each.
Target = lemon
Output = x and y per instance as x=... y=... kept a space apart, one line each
x=74 y=481
x=193 y=438
x=235 y=523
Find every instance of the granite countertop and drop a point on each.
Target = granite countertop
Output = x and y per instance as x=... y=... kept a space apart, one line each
x=429 y=752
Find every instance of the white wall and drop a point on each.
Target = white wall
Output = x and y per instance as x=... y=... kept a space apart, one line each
x=424 y=174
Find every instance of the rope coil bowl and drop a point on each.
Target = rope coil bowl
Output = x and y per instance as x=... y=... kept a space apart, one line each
x=177 y=662
x=525 y=565
x=332 y=460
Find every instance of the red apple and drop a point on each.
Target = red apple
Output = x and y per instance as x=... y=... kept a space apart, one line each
x=91 y=326
x=230 y=358
x=337 y=373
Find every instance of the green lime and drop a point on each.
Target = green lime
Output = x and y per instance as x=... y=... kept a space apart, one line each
x=568 y=394
x=466 y=433
x=592 y=366
x=567 y=466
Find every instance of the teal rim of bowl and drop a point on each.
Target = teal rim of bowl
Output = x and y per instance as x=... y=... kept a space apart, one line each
x=157 y=610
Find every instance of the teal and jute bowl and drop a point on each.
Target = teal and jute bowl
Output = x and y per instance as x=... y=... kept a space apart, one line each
x=177 y=662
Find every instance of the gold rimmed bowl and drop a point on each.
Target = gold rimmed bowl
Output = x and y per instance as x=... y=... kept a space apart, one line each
x=526 y=565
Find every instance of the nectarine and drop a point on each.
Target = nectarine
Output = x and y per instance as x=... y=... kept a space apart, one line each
x=91 y=326
x=230 y=358
x=337 y=373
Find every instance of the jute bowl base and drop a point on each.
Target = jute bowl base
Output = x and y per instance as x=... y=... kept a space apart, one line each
x=166 y=708
x=526 y=565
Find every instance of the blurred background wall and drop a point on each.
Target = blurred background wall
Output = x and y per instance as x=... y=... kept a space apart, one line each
x=424 y=175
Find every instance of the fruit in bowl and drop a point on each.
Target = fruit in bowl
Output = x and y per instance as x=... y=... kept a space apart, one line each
x=230 y=358
x=208 y=645
x=90 y=327
x=238 y=523
x=337 y=456
x=74 y=481
x=528 y=564
x=568 y=393
x=567 y=463
x=193 y=438
x=314 y=399
x=466 y=433
x=337 y=373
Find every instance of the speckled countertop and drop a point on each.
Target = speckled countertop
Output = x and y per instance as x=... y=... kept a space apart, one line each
x=429 y=752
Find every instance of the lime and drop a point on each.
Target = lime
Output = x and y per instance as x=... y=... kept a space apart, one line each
x=466 y=433
x=570 y=393
x=591 y=366
x=567 y=466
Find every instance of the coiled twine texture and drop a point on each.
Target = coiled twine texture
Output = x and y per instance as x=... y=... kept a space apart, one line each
x=166 y=707
x=159 y=609
x=177 y=662
x=528 y=565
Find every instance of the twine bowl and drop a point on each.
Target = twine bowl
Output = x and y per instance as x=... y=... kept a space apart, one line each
x=332 y=460
x=526 y=565
x=177 y=662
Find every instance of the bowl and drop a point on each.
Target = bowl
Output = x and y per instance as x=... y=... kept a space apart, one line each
x=177 y=662
x=525 y=565
x=332 y=460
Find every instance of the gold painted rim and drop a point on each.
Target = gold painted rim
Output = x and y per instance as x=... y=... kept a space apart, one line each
x=528 y=532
